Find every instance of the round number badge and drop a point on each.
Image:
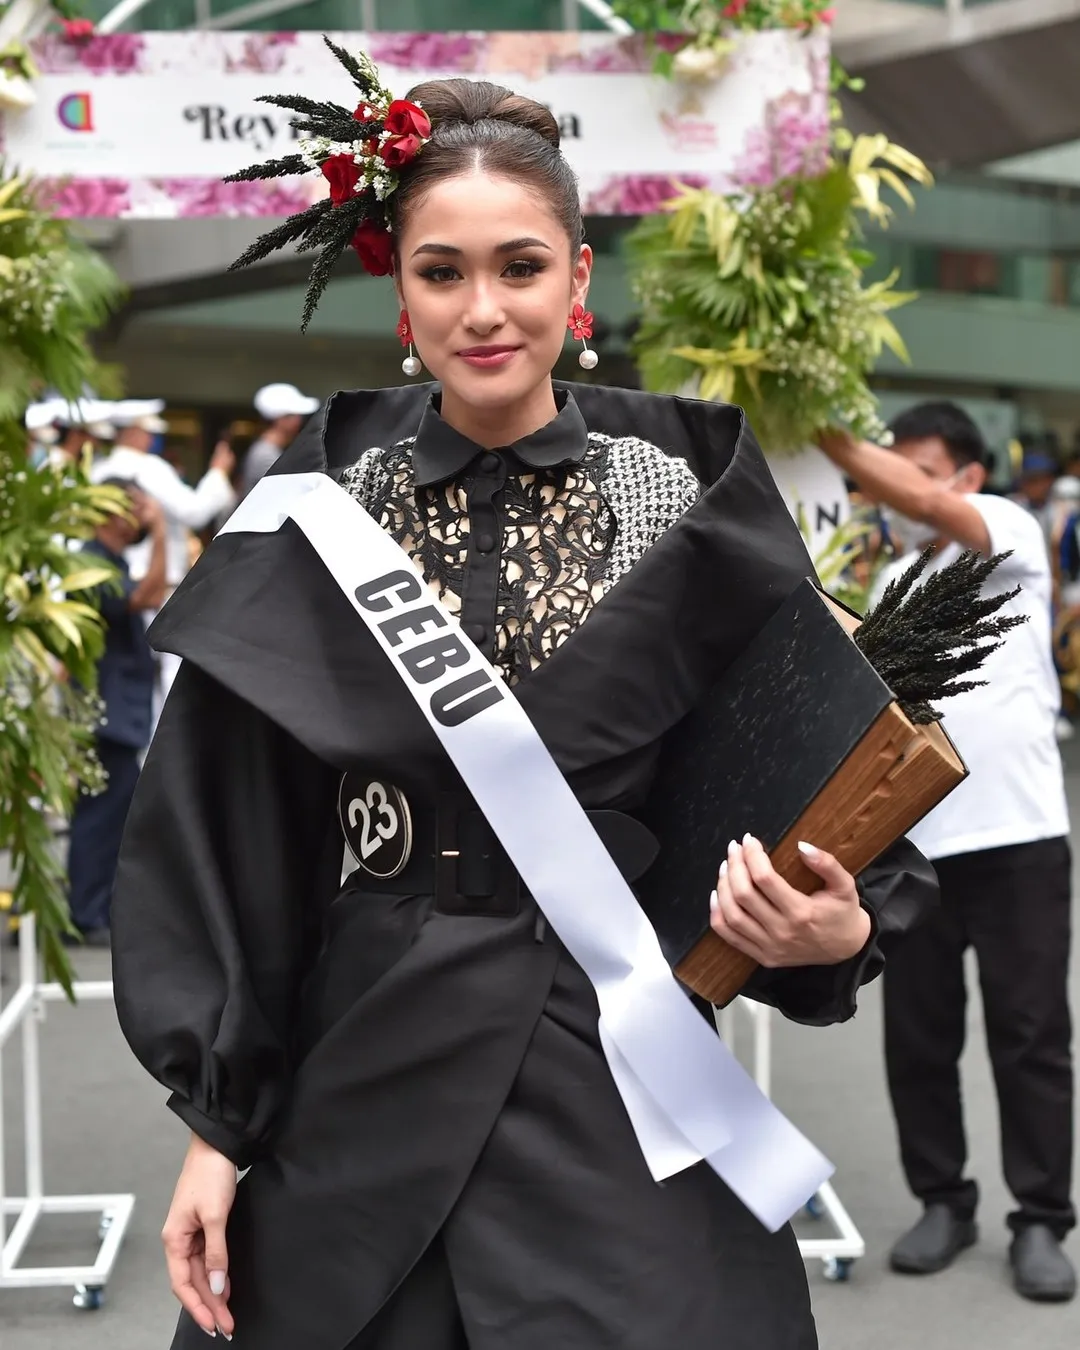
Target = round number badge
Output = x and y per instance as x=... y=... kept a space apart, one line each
x=377 y=825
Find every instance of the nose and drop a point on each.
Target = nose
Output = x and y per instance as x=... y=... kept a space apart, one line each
x=483 y=312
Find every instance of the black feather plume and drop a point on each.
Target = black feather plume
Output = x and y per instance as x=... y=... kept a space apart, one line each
x=361 y=78
x=922 y=639
x=270 y=168
x=289 y=230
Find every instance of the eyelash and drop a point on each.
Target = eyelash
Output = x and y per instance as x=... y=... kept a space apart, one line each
x=437 y=273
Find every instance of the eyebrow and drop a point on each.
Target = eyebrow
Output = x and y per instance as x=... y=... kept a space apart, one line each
x=511 y=246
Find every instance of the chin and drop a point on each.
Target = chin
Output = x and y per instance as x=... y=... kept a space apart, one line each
x=493 y=389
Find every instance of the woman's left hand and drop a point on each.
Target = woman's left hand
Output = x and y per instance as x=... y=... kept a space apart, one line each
x=756 y=911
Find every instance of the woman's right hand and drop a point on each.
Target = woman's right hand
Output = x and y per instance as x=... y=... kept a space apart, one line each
x=194 y=1237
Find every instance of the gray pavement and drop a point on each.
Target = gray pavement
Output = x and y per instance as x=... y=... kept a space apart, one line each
x=106 y=1129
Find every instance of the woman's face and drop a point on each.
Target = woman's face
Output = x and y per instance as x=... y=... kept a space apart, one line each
x=488 y=280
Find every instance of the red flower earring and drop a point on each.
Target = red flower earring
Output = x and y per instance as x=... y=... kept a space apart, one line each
x=580 y=324
x=411 y=364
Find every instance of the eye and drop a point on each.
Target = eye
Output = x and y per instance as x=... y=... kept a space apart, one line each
x=441 y=272
x=523 y=268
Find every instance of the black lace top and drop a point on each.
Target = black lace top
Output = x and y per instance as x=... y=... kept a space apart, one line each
x=522 y=542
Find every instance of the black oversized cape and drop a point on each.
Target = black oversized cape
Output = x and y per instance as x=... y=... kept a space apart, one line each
x=397 y=1077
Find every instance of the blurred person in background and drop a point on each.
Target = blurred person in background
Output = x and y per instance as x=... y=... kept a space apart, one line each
x=285 y=409
x=1035 y=486
x=136 y=458
x=999 y=845
x=59 y=432
x=126 y=684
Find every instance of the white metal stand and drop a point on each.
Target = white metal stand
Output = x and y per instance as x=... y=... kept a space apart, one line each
x=26 y=1008
x=838 y=1253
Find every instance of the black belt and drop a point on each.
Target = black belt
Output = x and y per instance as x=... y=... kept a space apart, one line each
x=457 y=858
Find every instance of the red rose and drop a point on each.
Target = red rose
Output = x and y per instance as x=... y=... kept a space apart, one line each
x=374 y=247
x=406 y=119
x=364 y=114
x=400 y=151
x=343 y=175
x=77 y=30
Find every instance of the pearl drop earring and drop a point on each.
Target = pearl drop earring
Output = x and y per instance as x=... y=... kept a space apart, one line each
x=580 y=324
x=411 y=364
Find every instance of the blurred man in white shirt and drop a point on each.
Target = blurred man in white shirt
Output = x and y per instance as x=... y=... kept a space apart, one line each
x=139 y=424
x=1001 y=850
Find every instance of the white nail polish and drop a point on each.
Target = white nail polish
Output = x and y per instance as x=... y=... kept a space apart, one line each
x=748 y=838
x=808 y=849
x=217 y=1282
x=225 y=1335
x=714 y=902
x=723 y=870
x=211 y=1334
x=732 y=847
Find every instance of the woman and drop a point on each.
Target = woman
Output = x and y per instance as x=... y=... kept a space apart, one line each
x=411 y=1064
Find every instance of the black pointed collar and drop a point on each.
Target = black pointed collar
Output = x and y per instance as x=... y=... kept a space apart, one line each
x=441 y=453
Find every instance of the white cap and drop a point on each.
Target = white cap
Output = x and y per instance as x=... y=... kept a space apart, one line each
x=283 y=400
x=42 y=415
x=143 y=413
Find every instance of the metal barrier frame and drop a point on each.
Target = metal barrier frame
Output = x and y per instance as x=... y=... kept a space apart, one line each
x=837 y=1253
x=26 y=1009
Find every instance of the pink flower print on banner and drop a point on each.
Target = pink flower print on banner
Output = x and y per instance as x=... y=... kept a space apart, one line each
x=102 y=54
x=529 y=55
x=194 y=197
x=627 y=56
x=637 y=194
x=793 y=143
x=113 y=53
x=427 y=51
x=87 y=198
x=263 y=52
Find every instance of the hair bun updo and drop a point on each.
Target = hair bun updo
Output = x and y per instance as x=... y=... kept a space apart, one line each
x=480 y=127
x=466 y=102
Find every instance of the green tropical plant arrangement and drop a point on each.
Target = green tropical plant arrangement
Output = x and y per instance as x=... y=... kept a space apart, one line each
x=691 y=38
x=758 y=297
x=850 y=561
x=53 y=292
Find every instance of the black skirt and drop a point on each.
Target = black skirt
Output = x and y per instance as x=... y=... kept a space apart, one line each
x=455 y=1164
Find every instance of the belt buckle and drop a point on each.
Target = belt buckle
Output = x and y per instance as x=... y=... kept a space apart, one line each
x=377 y=824
x=502 y=902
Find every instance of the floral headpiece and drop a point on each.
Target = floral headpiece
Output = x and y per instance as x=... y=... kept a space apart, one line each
x=361 y=155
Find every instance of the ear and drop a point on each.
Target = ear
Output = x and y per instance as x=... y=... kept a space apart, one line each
x=582 y=274
x=974 y=477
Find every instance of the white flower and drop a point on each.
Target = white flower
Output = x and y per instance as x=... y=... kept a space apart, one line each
x=699 y=63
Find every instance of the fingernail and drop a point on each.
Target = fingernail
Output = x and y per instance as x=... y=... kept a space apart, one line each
x=217 y=1282
x=723 y=870
x=732 y=847
x=808 y=849
x=748 y=838
x=225 y=1334
x=212 y=1334
x=714 y=901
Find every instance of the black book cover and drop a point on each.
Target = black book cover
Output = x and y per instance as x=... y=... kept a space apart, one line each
x=753 y=756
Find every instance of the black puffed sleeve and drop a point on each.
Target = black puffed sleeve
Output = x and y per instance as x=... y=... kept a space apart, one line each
x=223 y=874
x=896 y=891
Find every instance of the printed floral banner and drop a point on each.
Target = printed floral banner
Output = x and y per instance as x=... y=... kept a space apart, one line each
x=145 y=125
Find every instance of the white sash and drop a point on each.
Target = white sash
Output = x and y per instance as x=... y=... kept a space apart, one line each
x=687 y=1096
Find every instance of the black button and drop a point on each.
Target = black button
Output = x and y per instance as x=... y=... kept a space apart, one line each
x=485 y=543
x=490 y=462
x=476 y=632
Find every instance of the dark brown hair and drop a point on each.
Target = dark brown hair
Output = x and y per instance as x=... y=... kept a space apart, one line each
x=477 y=125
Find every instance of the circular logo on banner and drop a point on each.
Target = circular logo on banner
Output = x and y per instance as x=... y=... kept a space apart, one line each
x=377 y=825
